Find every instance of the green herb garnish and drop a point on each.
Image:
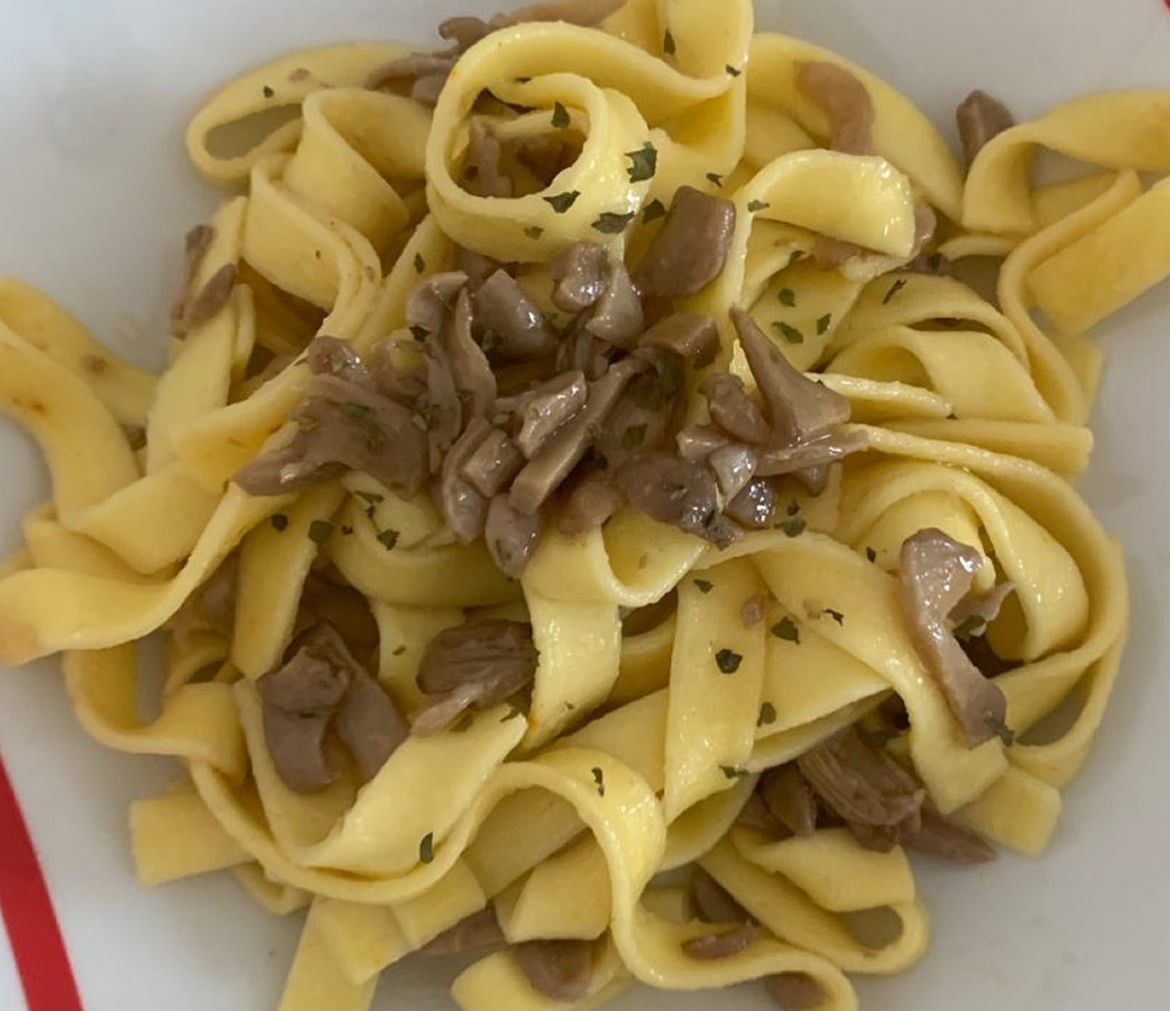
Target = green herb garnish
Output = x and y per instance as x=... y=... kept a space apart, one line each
x=668 y=44
x=789 y=332
x=794 y=526
x=370 y=497
x=279 y=522
x=733 y=773
x=388 y=539
x=733 y=71
x=755 y=206
x=767 y=715
x=634 y=436
x=653 y=211
x=787 y=297
x=644 y=163
x=599 y=779
x=786 y=629
x=420 y=264
x=320 y=531
x=728 y=661
x=426 y=848
x=399 y=651
x=837 y=616
x=561 y=117
x=1002 y=731
x=897 y=287
x=613 y=224
x=268 y=92
x=715 y=178
x=704 y=585
x=824 y=323
x=563 y=201
x=535 y=232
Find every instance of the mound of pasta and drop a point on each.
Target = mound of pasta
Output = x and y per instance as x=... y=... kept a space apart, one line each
x=593 y=524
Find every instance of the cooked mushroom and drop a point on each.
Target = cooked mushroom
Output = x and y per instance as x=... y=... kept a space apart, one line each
x=494 y=464
x=590 y=504
x=794 y=991
x=561 y=970
x=482 y=167
x=474 y=380
x=640 y=421
x=755 y=506
x=692 y=247
x=981 y=118
x=936 y=575
x=819 y=451
x=581 y=273
x=733 y=410
x=671 y=490
x=462 y=505
x=799 y=408
x=544 y=410
x=845 y=100
x=617 y=316
x=478 y=932
x=195 y=247
x=512 y=537
x=696 y=443
x=862 y=785
x=789 y=799
x=689 y=335
x=942 y=838
x=712 y=903
x=514 y=328
x=711 y=947
x=369 y=724
x=209 y=300
x=734 y=467
x=465 y=32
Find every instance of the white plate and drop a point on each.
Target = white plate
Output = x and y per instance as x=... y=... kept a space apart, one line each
x=94 y=193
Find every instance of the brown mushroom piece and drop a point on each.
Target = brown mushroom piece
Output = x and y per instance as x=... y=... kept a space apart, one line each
x=581 y=273
x=555 y=462
x=195 y=248
x=696 y=443
x=819 y=451
x=862 y=785
x=845 y=100
x=482 y=168
x=936 y=575
x=641 y=420
x=518 y=329
x=430 y=303
x=561 y=970
x=409 y=68
x=733 y=410
x=473 y=666
x=712 y=947
x=754 y=507
x=789 y=799
x=512 y=537
x=464 y=31
x=544 y=410
x=369 y=724
x=617 y=316
x=943 y=839
x=478 y=932
x=208 y=301
x=590 y=504
x=474 y=380
x=691 y=336
x=672 y=491
x=494 y=464
x=798 y=407
x=692 y=247
x=734 y=467
x=462 y=505
x=794 y=991
x=981 y=118
x=712 y=903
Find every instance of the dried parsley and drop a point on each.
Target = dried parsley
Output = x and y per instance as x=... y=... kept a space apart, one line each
x=970 y=627
x=370 y=497
x=599 y=779
x=824 y=323
x=320 y=531
x=279 y=522
x=793 y=508
x=563 y=201
x=786 y=629
x=668 y=44
x=794 y=526
x=755 y=206
x=870 y=555
x=634 y=436
x=837 y=616
x=561 y=117
x=653 y=211
x=399 y=651
x=715 y=178
x=728 y=661
x=268 y=92
x=643 y=163
x=613 y=224
x=535 y=232
x=789 y=332
x=787 y=297
x=426 y=848
x=733 y=773
x=767 y=715
x=704 y=585
x=897 y=287
x=733 y=71
x=1002 y=731
x=419 y=333
x=388 y=539
x=420 y=264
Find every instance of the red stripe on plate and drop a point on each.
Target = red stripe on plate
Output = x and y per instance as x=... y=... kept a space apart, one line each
x=33 y=933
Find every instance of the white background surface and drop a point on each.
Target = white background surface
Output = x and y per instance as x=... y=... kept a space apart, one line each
x=94 y=198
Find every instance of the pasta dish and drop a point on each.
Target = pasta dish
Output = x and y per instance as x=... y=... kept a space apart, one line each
x=599 y=520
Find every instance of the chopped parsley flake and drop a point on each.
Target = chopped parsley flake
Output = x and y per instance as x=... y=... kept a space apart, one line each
x=870 y=555
x=320 y=531
x=733 y=71
x=399 y=651
x=733 y=773
x=767 y=715
x=704 y=585
x=613 y=224
x=837 y=616
x=268 y=92
x=634 y=436
x=563 y=201
x=279 y=522
x=668 y=44
x=653 y=211
x=420 y=264
x=347 y=531
x=787 y=297
x=644 y=163
x=755 y=206
x=561 y=117
x=535 y=232
x=897 y=287
x=794 y=526
x=786 y=629
x=370 y=497
x=728 y=661
x=715 y=178
x=1002 y=731
x=824 y=323
x=599 y=779
x=388 y=539
x=793 y=508
x=426 y=848
x=789 y=332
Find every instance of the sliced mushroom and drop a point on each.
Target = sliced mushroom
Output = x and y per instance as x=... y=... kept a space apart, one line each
x=712 y=947
x=733 y=410
x=981 y=118
x=482 y=169
x=561 y=970
x=936 y=575
x=691 y=249
x=617 y=316
x=409 y=68
x=581 y=273
x=590 y=504
x=696 y=443
x=756 y=816
x=478 y=932
x=733 y=467
x=494 y=464
x=514 y=328
x=981 y=608
x=689 y=335
x=546 y=409
x=789 y=799
x=370 y=725
x=640 y=421
x=476 y=266
x=819 y=451
x=944 y=839
x=428 y=90
x=799 y=408
x=465 y=32
x=845 y=100
x=862 y=785
x=794 y=991
x=672 y=491
x=462 y=505
x=712 y=903
x=754 y=507
x=440 y=405
x=512 y=537
x=474 y=380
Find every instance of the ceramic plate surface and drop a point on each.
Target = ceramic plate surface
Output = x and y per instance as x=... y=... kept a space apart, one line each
x=94 y=195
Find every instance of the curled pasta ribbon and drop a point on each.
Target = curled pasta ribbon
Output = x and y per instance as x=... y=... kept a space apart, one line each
x=1123 y=130
x=628 y=97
